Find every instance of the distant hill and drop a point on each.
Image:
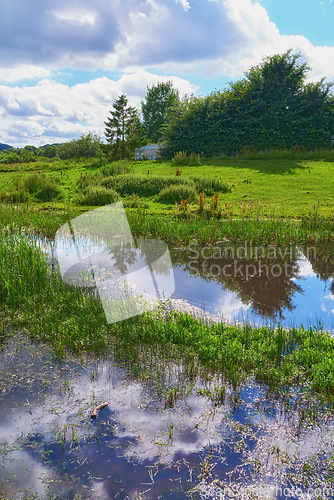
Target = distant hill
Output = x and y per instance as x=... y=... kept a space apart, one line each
x=4 y=146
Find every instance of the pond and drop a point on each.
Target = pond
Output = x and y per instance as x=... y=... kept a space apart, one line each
x=166 y=432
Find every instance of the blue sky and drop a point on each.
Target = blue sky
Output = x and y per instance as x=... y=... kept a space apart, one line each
x=63 y=62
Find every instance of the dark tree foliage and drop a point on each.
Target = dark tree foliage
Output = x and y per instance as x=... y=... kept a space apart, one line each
x=124 y=131
x=272 y=107
x=161 y=100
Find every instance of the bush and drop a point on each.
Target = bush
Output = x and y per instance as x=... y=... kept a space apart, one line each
x=210 y=186
x=98 y=196
x=174 y=194
x=182 y=158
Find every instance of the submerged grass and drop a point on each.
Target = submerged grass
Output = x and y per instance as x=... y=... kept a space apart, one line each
x=71 y=319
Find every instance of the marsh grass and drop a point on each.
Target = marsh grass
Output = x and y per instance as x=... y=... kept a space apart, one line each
x=177 y=193
x=23 y=270
x=98 y=196
x=28 y=218
x=143 y=186
x=178 y=229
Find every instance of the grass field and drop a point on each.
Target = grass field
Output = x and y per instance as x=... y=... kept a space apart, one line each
x=268 y=200
x=261 y=187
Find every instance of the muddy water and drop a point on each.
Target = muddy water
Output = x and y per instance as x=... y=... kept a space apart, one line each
x=163 y=435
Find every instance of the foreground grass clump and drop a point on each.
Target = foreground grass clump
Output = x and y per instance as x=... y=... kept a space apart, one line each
x=69 y=318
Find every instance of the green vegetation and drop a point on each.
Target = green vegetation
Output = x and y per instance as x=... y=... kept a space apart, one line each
x=247 y=164
x=124 y=131
x=160 y=104
x=263 y=198
x=37 y=300
x=272 y=107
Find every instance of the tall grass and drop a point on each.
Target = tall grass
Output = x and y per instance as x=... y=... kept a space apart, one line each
x=27 y=218
x=71 y=319
x=41 y=187
x=182 y=158
x=177 y=193
x=211 y=186
x=98 y=196
x=23 y=270
x=141 y=185
x=274 y=231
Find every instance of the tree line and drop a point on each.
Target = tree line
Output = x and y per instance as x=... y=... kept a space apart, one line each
x=272 y=107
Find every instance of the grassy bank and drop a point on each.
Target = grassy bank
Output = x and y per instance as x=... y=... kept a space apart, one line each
x=38 y=301
x=178 y=227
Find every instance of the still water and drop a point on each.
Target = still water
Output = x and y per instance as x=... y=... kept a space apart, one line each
x=258 y=285
x=290 y=286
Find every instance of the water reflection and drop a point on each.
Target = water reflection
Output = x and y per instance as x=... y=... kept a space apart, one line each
x=140 y=446
x=262 y=285
x=293 y=286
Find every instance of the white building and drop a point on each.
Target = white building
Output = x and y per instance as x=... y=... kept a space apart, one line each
x=150 y=152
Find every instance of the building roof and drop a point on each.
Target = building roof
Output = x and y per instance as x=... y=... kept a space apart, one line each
x=147 y=148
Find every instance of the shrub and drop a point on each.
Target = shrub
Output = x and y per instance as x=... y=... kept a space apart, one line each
x=210 y=186
x=177 y=193
x=97 y=196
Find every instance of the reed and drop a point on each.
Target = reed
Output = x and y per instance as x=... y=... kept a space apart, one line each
x=177 y=230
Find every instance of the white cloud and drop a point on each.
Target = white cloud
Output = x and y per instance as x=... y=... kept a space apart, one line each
x=207 y=38
x=53 y=112
x=23 y=72
x=76 y=16
x=185 y=4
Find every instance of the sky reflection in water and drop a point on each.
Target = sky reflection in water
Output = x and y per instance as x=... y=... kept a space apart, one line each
x=49 y=444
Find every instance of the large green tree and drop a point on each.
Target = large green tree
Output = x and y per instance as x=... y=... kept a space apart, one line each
x=124 y=131
x=271 y=107
x=161 y=100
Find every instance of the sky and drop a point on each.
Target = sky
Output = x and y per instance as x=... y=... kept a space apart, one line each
x=64 y=62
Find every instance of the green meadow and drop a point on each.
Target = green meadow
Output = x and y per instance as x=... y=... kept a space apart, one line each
x=276 y=198
x=281 y=198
